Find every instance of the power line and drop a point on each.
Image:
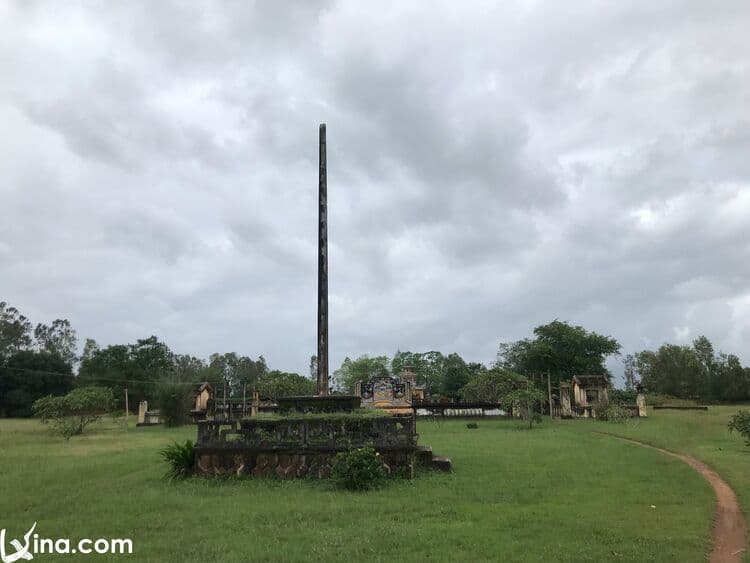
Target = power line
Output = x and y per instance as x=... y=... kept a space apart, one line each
x=94 y=378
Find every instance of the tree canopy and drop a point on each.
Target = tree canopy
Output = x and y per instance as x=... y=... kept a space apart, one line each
x=277 y=383
x=363 y=368
x=492 y=385
x=39 y=360
x=692 y=372
x=561 y=349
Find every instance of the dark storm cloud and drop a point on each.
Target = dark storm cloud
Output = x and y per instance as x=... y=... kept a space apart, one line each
x=491 y=168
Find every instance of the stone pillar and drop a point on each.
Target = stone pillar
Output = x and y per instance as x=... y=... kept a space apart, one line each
x=565 y=410
x=640 y=401
x=322 y=264
x=254 y=405
x=142 y=408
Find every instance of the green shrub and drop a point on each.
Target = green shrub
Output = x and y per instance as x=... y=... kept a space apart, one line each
x=70 y=414
x=174 y=400
x=526 y=402
x=472 y=425
x=623 y=396
x=181 y=459
x=613 y=412
x=740 y=423
x=357 y=470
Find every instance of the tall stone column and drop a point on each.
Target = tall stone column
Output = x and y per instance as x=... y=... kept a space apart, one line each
x=322 y=264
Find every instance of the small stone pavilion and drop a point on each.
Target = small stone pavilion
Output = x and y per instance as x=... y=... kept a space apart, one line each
x=588 y=392
x=204 y=402
x=394 y=395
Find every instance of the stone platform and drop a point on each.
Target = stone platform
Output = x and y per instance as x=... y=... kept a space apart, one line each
x=304 y=446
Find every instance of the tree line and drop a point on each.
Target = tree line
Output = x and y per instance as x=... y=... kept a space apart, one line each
x=37 y=361
x=695 y=372
x=559 y=350
x=40 y=360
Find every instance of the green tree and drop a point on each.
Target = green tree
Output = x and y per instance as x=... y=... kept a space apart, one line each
x=58 y=338
x=429 y=368
x=492 y=385
x=364 y=368
x=455 y=375
x=108 y=367
x=70 y=414
x=561 y=349
x=277 y=383
x=314 y=367
x=189 y=369
x=673 y=369
x=238 y=373
x=15 y=331
x=696 y=372
x=135 y=366
x=26 y=376
x=730 y=380
x=740 y=423
x=527 y=402
x=90 y=347
x=629 y=372
x=174 y=400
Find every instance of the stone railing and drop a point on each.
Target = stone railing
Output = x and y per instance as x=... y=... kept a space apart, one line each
x=301 y=434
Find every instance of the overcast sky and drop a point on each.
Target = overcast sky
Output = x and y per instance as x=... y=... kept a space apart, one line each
x=490 y=169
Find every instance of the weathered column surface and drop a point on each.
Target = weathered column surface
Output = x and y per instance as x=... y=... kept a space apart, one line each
x=322 y=264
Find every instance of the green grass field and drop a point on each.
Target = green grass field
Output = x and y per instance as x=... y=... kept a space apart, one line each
x=702 y=434
x=561 y=492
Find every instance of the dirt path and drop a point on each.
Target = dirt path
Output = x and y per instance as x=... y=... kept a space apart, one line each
x=729 y=523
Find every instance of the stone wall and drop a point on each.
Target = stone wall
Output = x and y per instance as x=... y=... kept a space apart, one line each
x=304 y=446
x=290 y=465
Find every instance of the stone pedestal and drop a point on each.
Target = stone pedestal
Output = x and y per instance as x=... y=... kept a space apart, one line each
x=142 y=408
x=640 y=401
x=565 y=409
x=254 y=405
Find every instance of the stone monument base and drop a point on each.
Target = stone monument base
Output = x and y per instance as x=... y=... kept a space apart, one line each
x=304 y=446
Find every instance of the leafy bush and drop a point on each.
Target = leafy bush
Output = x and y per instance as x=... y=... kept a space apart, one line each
x=492 y=385
x=357 y=470
x=472 y=425
x=174 y=400
x=623 y=396
x=613 y=412
x=526 y=402
x=70 y=414
x=181 y=459
x=740 y=423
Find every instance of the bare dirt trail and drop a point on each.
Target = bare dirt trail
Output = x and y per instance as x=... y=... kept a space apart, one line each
x=730 y=528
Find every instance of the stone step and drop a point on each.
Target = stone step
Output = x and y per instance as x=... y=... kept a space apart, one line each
x=424 y=455
x=442 y=463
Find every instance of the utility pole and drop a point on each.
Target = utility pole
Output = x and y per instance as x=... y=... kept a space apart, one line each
x=127 y=410
x=322 y=263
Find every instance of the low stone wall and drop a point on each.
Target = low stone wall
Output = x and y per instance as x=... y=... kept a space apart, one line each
x=289 y=465
x=460 y=410
x=302 y=447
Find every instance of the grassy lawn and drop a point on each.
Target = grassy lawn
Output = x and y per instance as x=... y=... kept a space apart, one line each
x=702 y=434
x=557 y=493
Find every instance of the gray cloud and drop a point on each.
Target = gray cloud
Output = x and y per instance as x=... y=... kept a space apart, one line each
x=490 y=169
